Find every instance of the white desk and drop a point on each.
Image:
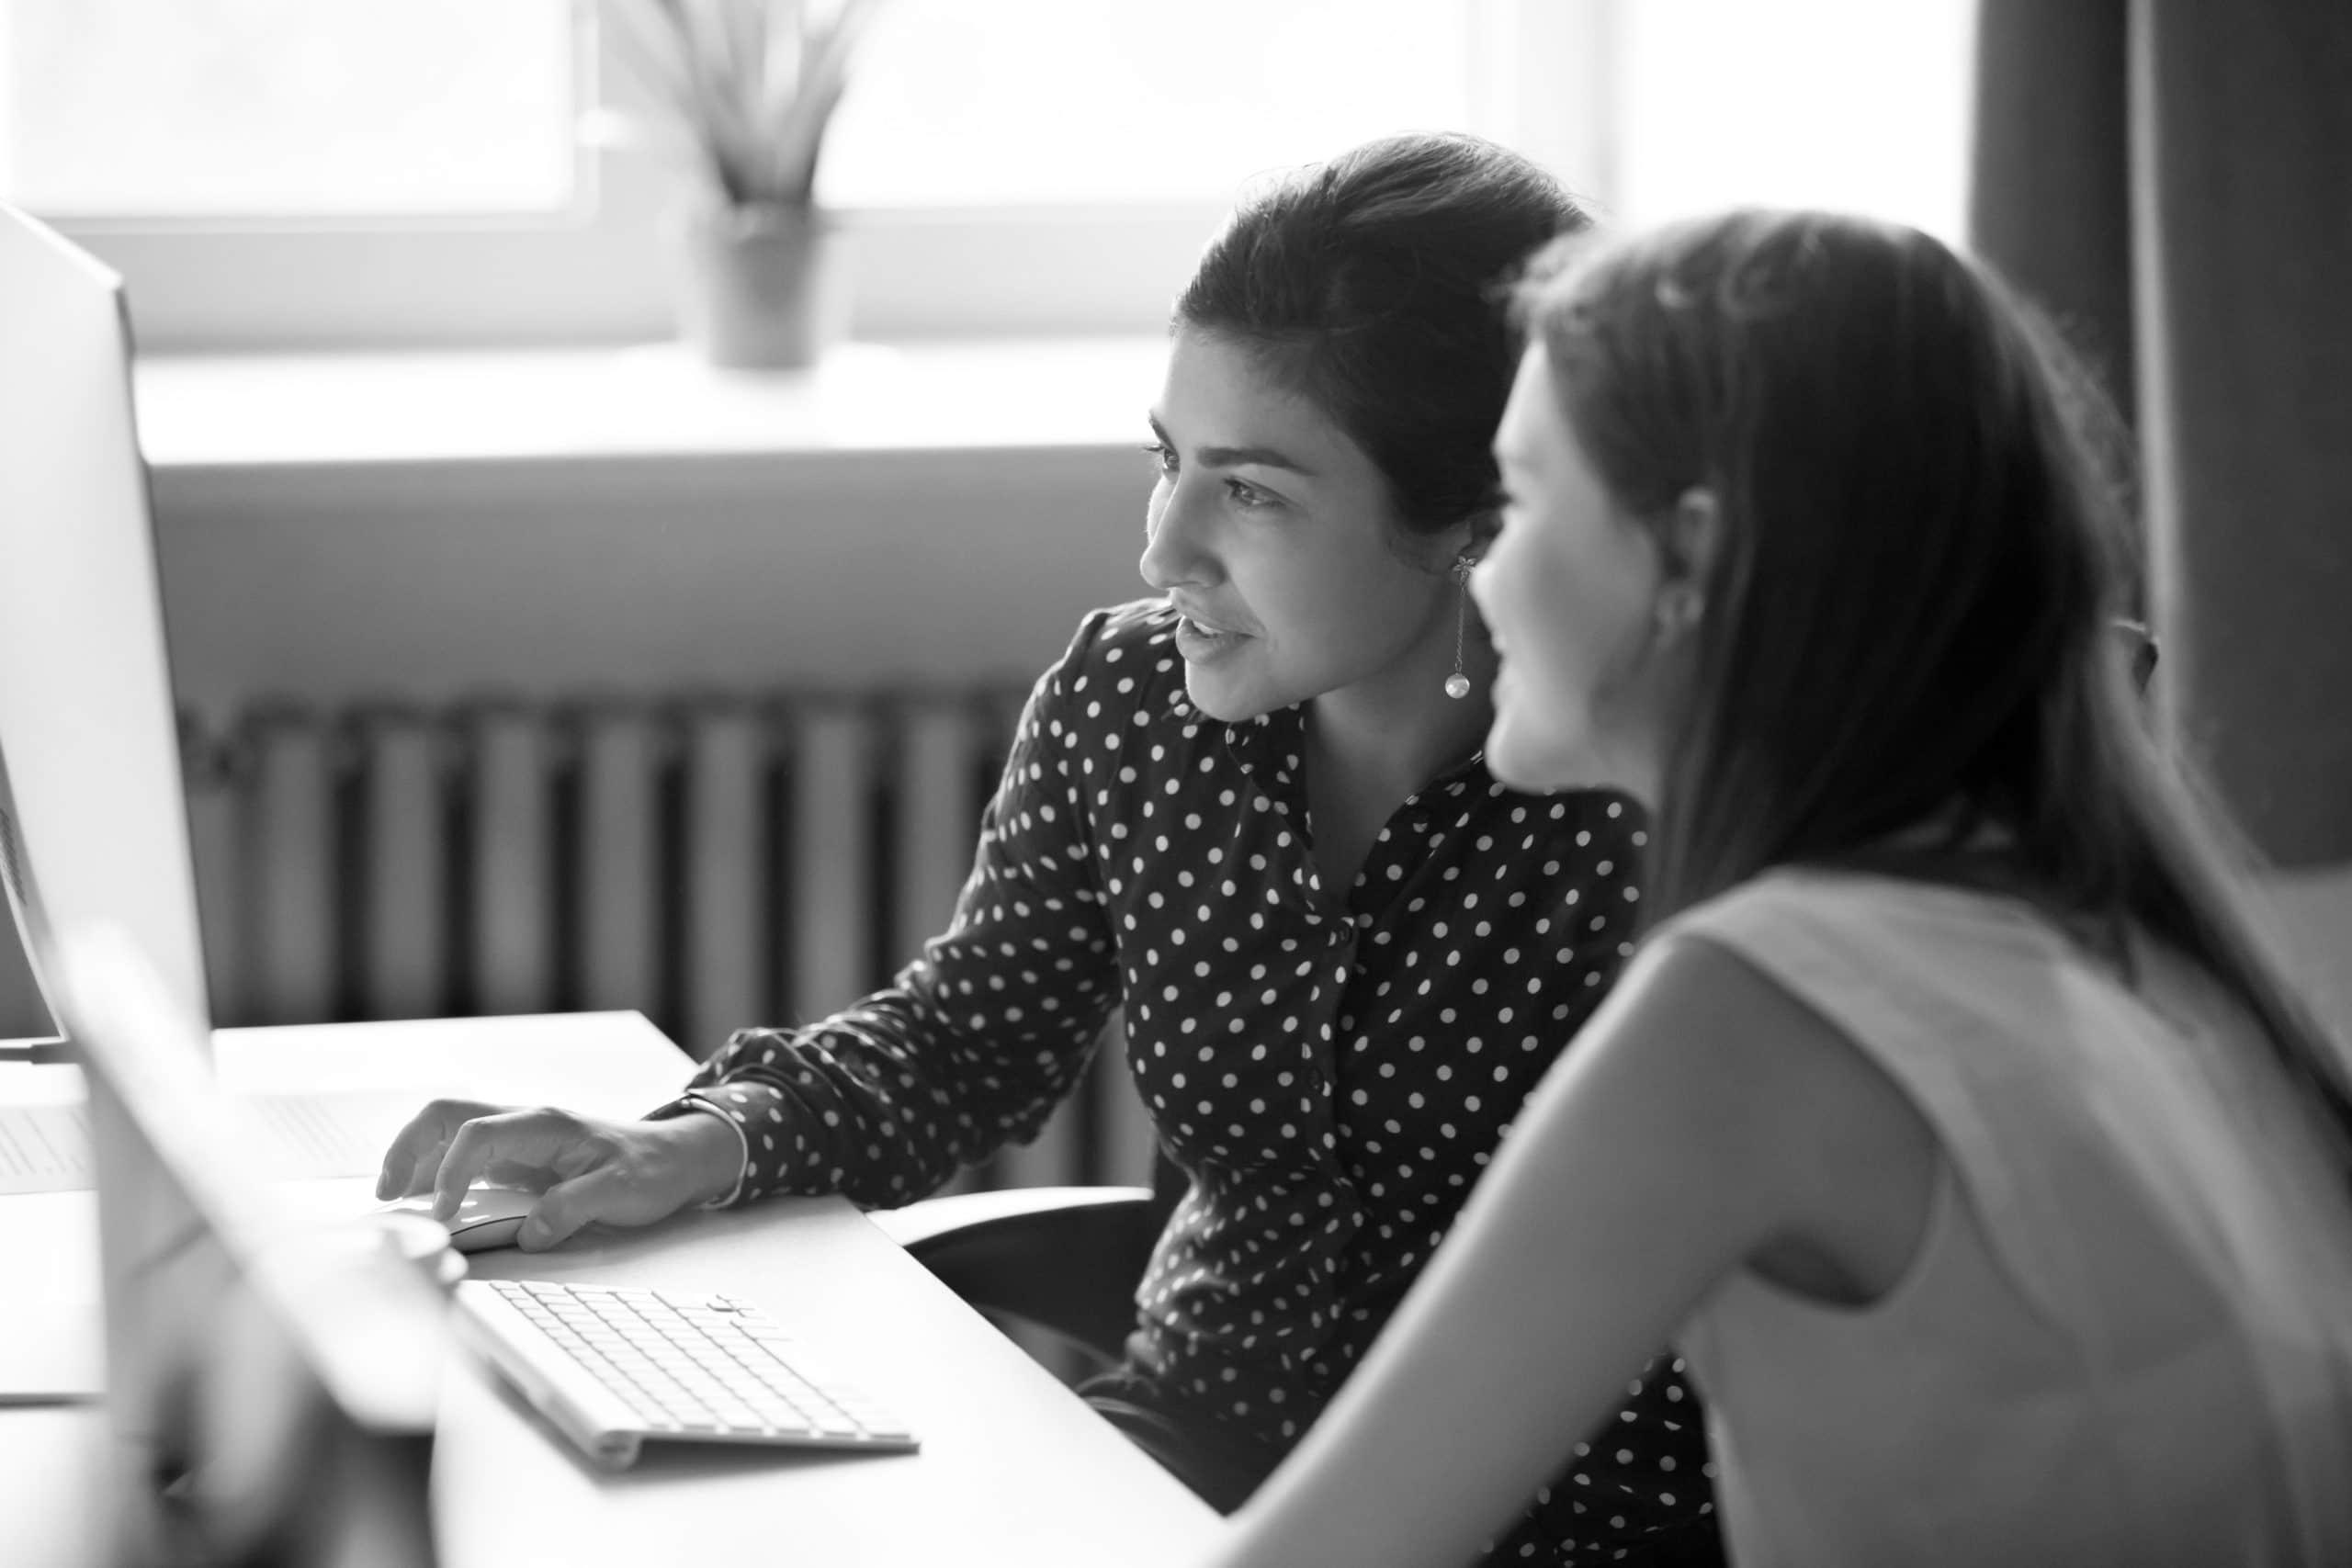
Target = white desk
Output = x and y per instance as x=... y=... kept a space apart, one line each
x=1013 y=1470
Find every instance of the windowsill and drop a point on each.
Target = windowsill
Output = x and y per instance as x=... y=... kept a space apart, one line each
x=653 y=403
x=435 y=524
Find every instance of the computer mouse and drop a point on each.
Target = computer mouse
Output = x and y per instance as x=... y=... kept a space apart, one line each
x=486 y=1216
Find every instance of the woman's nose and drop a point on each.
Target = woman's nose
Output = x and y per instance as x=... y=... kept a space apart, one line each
x=1173 y=552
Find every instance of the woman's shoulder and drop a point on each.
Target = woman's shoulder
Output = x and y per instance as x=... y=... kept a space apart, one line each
x=1867 y=909
x=1875 y=953
x=1905 y=966
x=1121 y=667
x=1853 y=989
x=1597 y=821
x=1138 y=635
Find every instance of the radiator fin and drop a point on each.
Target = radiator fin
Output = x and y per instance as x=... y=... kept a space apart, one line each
x=621 y=926
x=403 y=934
x=727 y=959
x=944 y=750
x=289 y=930
x=509 y=850
x=830 y=875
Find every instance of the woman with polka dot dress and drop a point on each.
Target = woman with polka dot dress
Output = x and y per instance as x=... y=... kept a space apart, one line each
x=1949 y=1118
x=1252 y=812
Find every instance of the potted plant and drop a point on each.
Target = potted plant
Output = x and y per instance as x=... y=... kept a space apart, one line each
x=738 y=93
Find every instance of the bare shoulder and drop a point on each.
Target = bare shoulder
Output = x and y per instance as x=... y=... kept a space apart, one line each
x=1704 y=1008
x=1832 y=1143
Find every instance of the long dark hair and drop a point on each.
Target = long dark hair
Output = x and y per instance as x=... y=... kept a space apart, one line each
x=1908 y=614
x=1366 y=285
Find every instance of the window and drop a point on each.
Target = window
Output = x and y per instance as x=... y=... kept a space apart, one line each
x=1851 y=104
x=1066 y=159
x=314 y=173
x=306 y=173
x=264 y=109
x=1061 y=103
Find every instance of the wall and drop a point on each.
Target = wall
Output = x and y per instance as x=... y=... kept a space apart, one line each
x=426 y=583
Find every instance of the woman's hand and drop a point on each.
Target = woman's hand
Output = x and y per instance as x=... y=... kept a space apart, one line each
x=618 y=1173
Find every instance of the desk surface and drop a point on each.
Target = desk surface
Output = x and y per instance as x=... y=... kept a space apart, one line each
x=1013 y=1469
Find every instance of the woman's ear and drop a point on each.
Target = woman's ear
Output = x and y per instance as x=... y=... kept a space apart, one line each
x=1687 y=540
x=1483 y=526
x=1470 y=538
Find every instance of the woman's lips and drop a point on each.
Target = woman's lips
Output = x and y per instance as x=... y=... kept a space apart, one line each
x=1200 y=641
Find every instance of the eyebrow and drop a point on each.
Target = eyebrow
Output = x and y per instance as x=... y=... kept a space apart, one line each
x=1236 y=456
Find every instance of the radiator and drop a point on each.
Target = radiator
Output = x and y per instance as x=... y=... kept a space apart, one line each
x=709 y=861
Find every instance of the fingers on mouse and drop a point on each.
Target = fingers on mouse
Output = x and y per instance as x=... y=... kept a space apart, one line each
x=488 y=1217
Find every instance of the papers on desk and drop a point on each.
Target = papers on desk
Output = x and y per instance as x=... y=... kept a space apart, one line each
x=46 y=1147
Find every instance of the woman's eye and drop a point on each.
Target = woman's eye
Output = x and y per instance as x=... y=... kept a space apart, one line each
x=1162 y=456
x=1244 y=494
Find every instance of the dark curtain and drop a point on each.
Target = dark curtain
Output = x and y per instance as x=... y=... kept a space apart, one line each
x=2173 y=180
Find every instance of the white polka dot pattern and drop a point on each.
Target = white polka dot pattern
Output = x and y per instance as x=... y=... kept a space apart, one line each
x=1331 y=1067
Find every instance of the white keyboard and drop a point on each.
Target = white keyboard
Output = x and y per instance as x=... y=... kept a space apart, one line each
x=610 y=1367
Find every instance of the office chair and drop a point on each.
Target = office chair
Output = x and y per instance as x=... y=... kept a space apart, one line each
x=1062 y=1260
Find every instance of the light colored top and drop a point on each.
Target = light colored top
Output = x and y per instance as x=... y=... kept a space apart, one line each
x=2126 y=1337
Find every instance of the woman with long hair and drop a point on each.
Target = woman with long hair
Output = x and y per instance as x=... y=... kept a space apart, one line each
x=1949 y=1116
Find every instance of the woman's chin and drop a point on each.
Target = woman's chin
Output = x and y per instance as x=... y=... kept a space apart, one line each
x=1513 y=763
x=1540 y=765
x=1227 y=700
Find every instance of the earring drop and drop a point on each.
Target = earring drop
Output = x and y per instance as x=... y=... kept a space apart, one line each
x=1457 y=685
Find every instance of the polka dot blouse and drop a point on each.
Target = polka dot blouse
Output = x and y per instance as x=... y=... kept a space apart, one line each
x=1331 y=1067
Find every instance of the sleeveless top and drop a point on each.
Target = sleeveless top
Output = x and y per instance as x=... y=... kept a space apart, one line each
x=2126 y=1336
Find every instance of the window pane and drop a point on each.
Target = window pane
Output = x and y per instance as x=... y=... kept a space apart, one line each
x=956 y=103
x=287 y=107
x=1852 y=104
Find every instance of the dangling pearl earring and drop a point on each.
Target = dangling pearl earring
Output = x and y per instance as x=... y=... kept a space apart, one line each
x=1457 y=685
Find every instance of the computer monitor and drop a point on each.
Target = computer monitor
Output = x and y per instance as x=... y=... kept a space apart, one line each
x=272 y=1380
x=94 y=821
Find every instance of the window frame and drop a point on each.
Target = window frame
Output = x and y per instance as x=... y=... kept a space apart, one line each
x=602 y=272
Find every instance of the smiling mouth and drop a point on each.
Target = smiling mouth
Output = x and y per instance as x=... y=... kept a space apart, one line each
x=1201 y=643
x=1194 y=626
x=1203 y=629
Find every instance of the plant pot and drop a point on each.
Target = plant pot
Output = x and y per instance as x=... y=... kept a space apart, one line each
x=760 y=287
